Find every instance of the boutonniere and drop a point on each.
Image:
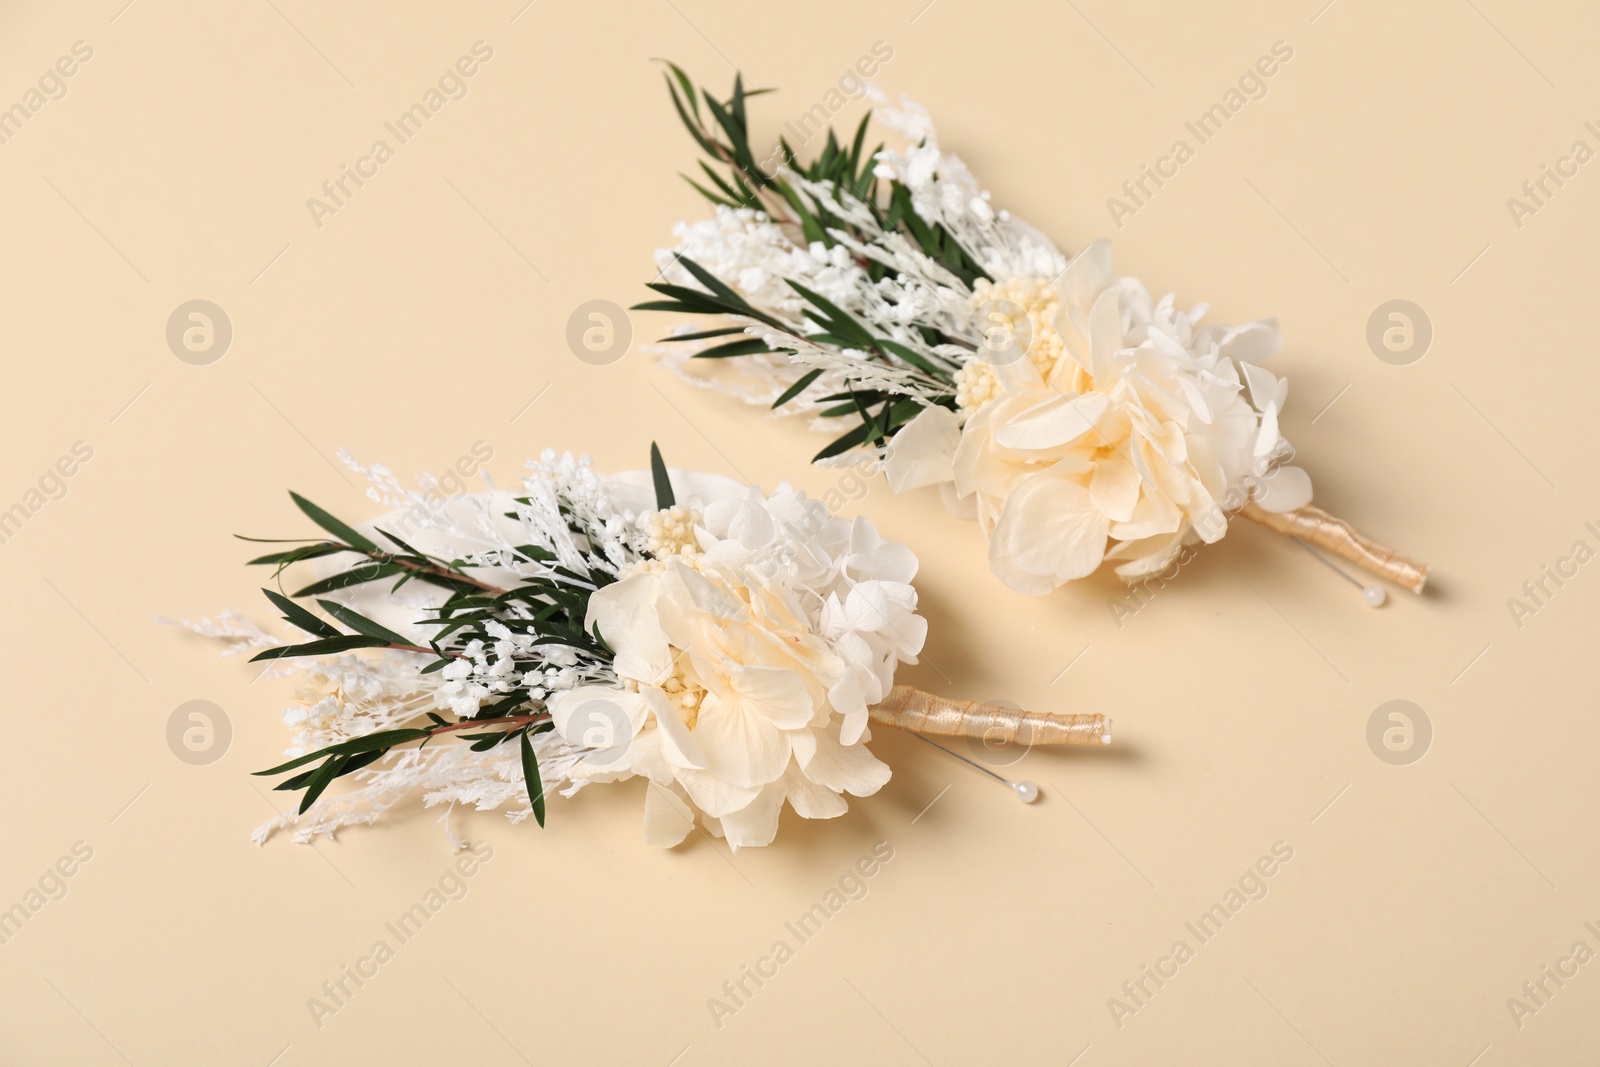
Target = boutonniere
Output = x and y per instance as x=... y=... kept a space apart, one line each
x=1080 y=419
x=732 y=648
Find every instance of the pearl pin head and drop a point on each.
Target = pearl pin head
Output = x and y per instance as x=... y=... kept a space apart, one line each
x=1026 y=792
x=1374 y=596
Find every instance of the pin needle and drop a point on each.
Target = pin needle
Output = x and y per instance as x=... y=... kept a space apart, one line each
x=1372 y=594
x=1026 y=792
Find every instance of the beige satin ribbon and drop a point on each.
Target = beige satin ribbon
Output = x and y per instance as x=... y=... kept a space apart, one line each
x=1337 y=536
x=935 y=716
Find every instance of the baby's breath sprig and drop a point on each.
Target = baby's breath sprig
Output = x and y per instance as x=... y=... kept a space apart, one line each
x=836 y=201
x=504 y=636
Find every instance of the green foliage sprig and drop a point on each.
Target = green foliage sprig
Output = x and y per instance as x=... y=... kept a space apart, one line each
x=738 y=182
x=550 y=609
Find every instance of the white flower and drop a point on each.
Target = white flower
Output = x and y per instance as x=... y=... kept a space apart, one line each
x=1123 y=431
x=1137 y=439
x=746 y=667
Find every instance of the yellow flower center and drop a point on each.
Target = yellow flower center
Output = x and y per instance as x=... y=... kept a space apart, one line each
x=1015 y=314
x=669 y=534
x=684 y=695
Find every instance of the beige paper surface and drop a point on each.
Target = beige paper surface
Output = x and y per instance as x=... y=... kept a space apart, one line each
x=426 y=313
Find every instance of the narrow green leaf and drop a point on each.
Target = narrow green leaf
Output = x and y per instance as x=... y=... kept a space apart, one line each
x=707 y=193
x=325 y=647
x=701 y=335
x=361 y=624
x=403 y=545
x=351 y=765
x=345 y=533
x=717 y=180
x=860 y=139
x=530 y=777
x=844 y=443
x=667 y=305
x=295 y=555
x=798 y=387
x=916 y=359
x=383 y=739
x=736 y=105
x=685 y=84
x=354 y=576
x=658 y=472
x=840 y=321
x=694 y=127
x=751 y=347
x=319 y=781
x=296 y=615
x=710 y=281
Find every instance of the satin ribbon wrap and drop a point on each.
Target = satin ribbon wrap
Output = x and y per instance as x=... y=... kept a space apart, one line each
x=1343 y=540
x=935 y=716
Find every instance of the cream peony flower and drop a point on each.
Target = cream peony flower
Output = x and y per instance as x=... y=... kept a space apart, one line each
x=748 y=657
x=1138 y=438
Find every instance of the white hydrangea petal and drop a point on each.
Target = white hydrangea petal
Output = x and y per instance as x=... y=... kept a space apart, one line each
x=922 y=452
x=667 y=816
x=756 y=823
x=1105 y=335
x=812 y=800
x=1283 y=489
x=1262 y=383
x=596 y=716
x=1253 y=342
x=1050 y=529
x=623 y=613
x=776 y=694
x=678 y=745
x=714 y=794
x=741 y=746
x=1055 y=422
x=1114 y=488
x=844 y=768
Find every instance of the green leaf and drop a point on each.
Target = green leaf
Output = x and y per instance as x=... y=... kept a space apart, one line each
x=701 y=335
x=354 y=576
x=839 y=320
x=383 y=739
x=320 y=780
x=738 y=140
x=295 y=555
x=404 y=547
x=707 y=193
x=484 y=742
x=530 y=778
x=325 y=647
x=845 y=443
x=751 y=347
x=685 y=84
x=710 y=281
x=667 y=305
x=296 y=615
x=658 y=472
x=345 y=533
x=861 y=137
x=351 y=765
x=361 y=624
x=717 y=180
x=736 y=105
x=694 y=127
x=911 y=356
x=798 y=387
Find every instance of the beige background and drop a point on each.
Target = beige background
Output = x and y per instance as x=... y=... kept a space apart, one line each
x=431 y=309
